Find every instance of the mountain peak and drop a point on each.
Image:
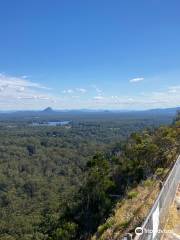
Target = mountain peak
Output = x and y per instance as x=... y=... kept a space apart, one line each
x=48 y=109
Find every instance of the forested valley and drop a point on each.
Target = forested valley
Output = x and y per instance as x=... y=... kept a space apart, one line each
x=59 y=182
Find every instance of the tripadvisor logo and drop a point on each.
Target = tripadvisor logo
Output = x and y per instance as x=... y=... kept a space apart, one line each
x=138 y=232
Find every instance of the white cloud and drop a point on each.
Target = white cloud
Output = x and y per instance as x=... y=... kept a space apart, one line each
x=75 y=96
x=174 y=89
x=21 y=89
x=69 y=91
x=170 y=97
x=18 y=82
x=39 y=97
x=24 y=76
x=81 y=90
x=98 y=90
x=17 y=92
x=135 y=80
x=22 y=93
x=98 y=98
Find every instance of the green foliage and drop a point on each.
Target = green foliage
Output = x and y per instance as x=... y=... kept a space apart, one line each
x=65 y=232
x=148 y=183
x=94 y=194
x=53 y=183
x=125 y=224
x=105 y=226
x=132 y=194
x=159 y=172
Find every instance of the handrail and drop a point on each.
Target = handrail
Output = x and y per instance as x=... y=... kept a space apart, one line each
x=152 y=227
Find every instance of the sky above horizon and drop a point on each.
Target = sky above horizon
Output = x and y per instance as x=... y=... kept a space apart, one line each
x=98 y=54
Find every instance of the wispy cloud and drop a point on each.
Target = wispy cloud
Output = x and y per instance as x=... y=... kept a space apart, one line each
x=18 y=83
x=98 y=90
x=174 y=89
x=81 y=90
x=69 y=91
x=23 y=93
x=135 y=80
x=76 y=90
x=98 y=98
x=38 y=97
x=16 y=91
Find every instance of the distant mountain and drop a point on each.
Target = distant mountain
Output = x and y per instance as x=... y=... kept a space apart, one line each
x=165 y=110
x=48 y=110
x=88 y=114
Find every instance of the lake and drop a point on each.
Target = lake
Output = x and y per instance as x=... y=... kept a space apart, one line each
x=51 y=123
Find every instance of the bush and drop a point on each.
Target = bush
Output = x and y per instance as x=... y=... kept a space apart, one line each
x=108 y=224
x=132 y=194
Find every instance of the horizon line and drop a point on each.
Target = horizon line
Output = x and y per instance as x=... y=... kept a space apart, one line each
x=88 y=109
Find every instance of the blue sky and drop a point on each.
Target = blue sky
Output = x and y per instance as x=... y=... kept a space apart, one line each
x=103 y=54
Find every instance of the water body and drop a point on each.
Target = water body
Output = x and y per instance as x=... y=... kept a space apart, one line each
x=51 y=123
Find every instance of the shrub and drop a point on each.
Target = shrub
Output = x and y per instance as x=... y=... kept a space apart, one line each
x=132 y=194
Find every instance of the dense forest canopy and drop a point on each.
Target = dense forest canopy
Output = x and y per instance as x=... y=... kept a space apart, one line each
x=58 y=182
